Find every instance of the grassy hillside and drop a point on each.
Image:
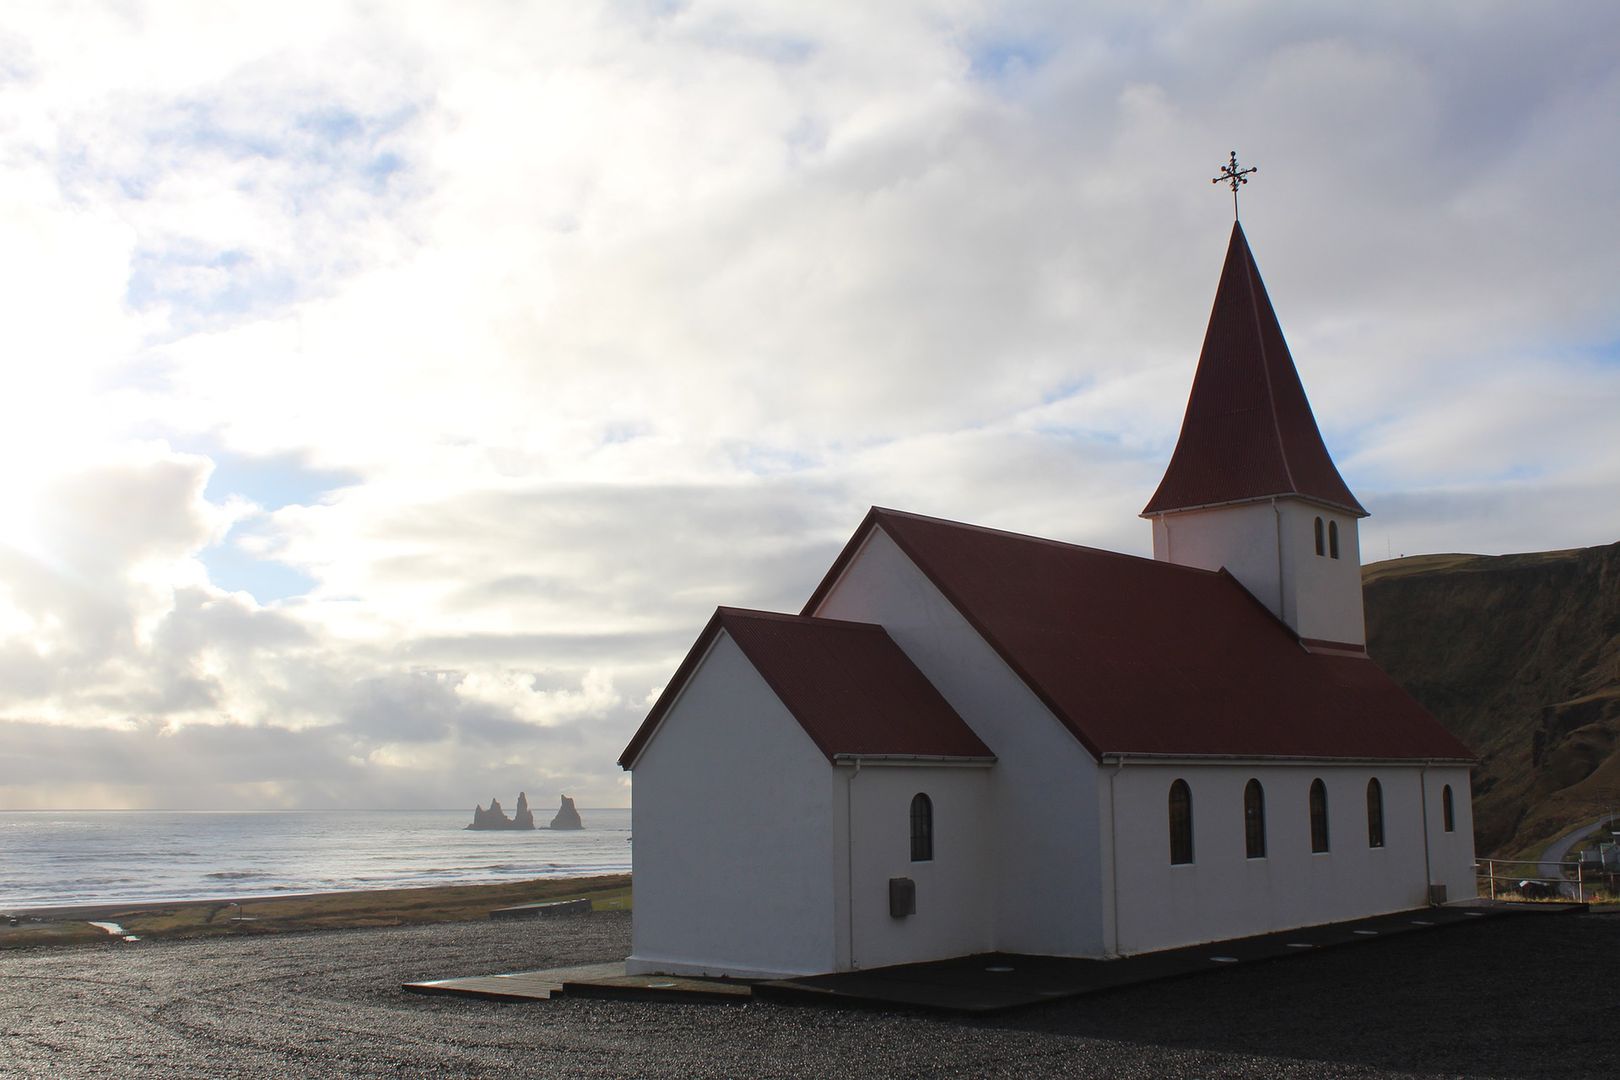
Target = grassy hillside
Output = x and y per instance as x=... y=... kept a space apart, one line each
x=1519 y=655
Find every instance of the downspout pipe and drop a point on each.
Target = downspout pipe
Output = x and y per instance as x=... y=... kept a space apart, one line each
x=849 y=864
x=1423 y=789
x=1113 y=845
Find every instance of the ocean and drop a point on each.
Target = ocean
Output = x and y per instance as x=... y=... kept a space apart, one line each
x=51 y=857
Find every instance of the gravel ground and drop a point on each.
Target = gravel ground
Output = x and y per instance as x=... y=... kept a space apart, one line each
x=1510 y=997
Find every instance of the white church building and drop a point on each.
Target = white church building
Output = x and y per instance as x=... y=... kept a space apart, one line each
x=972 y=740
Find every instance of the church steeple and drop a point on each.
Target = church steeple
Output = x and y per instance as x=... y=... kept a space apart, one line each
x=1250 y=487
x=1248 y=432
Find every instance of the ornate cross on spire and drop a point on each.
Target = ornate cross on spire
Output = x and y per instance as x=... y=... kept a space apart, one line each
x=1235 y=176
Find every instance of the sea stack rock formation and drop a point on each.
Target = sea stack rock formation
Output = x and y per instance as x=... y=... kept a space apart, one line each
x=495 y=817
x=567 y=817
x=523 y=817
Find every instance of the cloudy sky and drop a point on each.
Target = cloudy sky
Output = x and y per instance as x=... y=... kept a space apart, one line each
x=392 y=390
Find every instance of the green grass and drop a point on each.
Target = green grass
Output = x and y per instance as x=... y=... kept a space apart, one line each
x=327 y=911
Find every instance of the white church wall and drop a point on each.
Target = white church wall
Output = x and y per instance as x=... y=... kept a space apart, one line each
x=732 y=819
x=1241 y=538
x=1224 y=894
x=1452 y=853
x=1270 y=547
x=1044 y=820
x=1321 y=594
x=955 y=898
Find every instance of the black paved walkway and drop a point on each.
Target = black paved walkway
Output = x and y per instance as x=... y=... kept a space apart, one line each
x=985 y=983
x=994 y=981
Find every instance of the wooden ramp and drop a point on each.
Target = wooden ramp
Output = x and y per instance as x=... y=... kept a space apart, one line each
x=516 y=985
x=584 y=980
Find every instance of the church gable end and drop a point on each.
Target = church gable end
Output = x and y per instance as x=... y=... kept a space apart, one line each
x=847 y=684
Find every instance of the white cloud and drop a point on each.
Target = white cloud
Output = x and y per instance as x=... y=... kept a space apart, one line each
x=611 y=313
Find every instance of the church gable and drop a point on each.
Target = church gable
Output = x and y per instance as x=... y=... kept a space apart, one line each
x=847 y=684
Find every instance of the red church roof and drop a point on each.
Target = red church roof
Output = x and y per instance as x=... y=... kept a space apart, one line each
x=1248 y=432
x=846 y=683
x=1142 y=657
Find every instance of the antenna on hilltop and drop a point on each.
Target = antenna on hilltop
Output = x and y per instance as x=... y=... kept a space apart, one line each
x=1231 y=174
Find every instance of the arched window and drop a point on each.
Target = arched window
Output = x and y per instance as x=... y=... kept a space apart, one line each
x=1320 y=550
x=1181 y=840
x=1447 y=811
x=1375 y=813
x=922 y=828
x=1333 y=539
x=1319 y=820
x=1254 y=820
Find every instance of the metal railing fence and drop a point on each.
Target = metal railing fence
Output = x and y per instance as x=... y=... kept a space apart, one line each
x=1491 y=871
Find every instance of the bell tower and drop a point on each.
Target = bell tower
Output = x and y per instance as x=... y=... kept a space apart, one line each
x=1251 y=487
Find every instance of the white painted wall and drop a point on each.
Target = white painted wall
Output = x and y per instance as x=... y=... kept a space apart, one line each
x=1322 y=595
x=1045 y=830
x=734 y=858
x=1271 y=548
x=955 y=893
x=1452 y=854
x=1223 y=894
x=1241 y=538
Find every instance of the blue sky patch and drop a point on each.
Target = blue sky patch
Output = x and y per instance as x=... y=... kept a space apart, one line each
x=996 y=61
x=230 y=567
x=271 y=481
x=201 y=285
x=768 y=460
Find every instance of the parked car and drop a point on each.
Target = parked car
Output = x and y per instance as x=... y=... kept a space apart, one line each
x=1533 y=889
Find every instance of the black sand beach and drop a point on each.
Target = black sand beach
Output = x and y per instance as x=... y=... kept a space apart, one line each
x=1508 y=998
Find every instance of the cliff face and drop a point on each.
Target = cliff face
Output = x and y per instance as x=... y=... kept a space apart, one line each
x=1519 y=655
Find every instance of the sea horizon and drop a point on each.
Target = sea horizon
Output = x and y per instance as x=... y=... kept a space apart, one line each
x=61 y=858
x=269 y=810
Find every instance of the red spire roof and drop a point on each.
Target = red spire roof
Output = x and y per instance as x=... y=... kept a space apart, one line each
x=1248 y=432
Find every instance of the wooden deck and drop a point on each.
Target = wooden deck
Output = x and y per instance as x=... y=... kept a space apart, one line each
x=969 y=984
x=516 y=985
x=992 y=982
x=584 y=980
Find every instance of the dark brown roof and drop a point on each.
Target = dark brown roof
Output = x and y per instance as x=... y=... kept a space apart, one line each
x=1248 y=432
x=1142 y=657
x=846 y=683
